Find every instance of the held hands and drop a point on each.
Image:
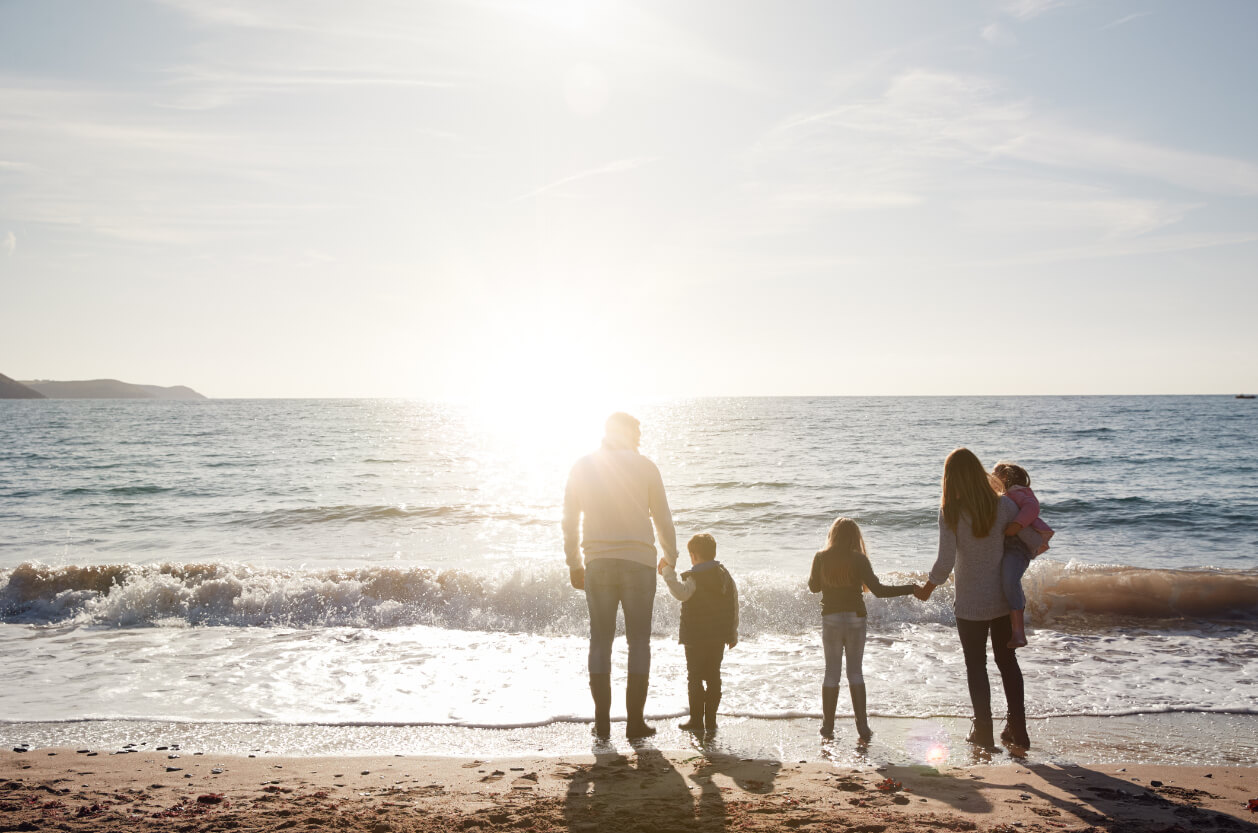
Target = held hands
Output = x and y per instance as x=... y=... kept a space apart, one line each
x=576 y=575
x=660 y=567
x=1013 y=529
x=923 y=593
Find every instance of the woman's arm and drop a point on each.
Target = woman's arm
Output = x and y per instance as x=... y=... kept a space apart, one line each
x=871 y=582
x=814 y=578
x=947 y=557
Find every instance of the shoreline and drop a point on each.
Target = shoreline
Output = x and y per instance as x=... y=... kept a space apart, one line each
x=641 y=788
x=1168 y=739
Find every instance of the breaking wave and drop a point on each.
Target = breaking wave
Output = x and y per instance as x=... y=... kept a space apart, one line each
x=541 y=601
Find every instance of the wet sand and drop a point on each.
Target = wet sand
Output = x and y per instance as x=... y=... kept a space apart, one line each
x=634 y=789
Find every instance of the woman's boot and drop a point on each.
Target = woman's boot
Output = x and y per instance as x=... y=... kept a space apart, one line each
x=858 y=708
x=601 y=691
x=1017 y=618
x=635 y=705
x=1015 y=733
x=829 y=702
x=981 y=733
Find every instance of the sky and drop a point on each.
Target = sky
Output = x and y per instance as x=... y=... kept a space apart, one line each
x=563 y=200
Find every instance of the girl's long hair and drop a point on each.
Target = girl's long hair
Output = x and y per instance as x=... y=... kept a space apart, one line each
x=967 y=491
x=842 y=543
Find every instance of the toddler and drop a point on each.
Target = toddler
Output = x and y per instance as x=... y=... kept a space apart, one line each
x=1025 y=538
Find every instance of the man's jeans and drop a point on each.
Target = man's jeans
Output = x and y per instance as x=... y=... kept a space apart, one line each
x=614 y=581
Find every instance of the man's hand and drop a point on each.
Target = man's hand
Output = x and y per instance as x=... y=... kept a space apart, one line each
x=576 y=575
x=1013 y=529
x=660 y=567
x=731 y=645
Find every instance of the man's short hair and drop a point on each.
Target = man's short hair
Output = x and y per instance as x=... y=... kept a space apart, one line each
x=702 y=544
x=622 y=426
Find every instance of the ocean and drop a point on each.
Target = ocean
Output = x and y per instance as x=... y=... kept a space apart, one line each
x=388 y=575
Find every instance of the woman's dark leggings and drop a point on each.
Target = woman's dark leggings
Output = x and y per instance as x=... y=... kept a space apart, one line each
x=974 y=646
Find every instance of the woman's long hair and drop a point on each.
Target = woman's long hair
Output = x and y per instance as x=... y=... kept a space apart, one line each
x=967 y=491
x=842 y=543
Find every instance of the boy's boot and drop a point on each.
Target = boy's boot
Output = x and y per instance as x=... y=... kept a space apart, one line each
x=858 y=708
x=1017 y=618
x=601 y=691
x=635 y=705
x=981 y=734
x=695 y=722
x=711 y=700
x=1015 y=733
x=829 y=702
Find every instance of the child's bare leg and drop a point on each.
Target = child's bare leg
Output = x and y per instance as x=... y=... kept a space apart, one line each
x=1016 y=619
x=1012 y=566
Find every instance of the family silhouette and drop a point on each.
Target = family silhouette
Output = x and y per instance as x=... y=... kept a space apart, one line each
x=615 y=510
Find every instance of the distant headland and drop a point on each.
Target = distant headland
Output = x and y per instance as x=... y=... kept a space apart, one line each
x=11 y=389
x=90 y=389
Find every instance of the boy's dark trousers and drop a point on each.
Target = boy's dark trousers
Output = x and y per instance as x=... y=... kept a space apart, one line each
x=703 y=666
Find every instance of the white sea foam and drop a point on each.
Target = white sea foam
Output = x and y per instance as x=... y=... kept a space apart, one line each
x=540 y=601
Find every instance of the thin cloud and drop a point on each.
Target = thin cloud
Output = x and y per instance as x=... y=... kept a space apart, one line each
x=1161 y=244
x=998 y=35
x=929 y=117
x=1028 y=9
x=1122 y=20
x=282 y=81
x=9 y=244
x=618 y=167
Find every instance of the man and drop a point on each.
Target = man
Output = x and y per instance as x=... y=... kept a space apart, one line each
x=619 y=492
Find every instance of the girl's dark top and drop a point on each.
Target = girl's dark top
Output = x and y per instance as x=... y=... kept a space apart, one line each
x=848 y=598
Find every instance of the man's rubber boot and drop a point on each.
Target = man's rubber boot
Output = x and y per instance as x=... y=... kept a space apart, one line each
x=635 y=705
x=601 y=691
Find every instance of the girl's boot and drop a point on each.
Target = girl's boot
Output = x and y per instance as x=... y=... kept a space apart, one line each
x=829 y=702
x=858 y=708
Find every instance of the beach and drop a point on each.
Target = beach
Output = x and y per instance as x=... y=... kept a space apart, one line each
x=381 y=584
x=635 y=789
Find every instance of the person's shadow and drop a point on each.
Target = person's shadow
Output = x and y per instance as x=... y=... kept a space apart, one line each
x=646 y=792
x=1091 y=796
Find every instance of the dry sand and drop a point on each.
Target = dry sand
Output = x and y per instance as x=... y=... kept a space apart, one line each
x=647 y=790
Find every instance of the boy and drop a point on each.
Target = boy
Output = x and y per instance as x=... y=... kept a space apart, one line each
x=709 y=623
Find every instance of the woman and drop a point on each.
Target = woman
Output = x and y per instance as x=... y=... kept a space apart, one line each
x=971 y=522
x=838 y=573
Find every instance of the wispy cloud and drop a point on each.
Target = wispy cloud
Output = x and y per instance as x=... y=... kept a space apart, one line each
x=617 y=167
x=998 y=35
x=927 y=115
x=1123 y=20
x=1027 y=9
x=9 y=244
x=974 y=172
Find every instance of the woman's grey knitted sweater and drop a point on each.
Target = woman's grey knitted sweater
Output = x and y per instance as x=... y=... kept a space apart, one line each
x=977 y=563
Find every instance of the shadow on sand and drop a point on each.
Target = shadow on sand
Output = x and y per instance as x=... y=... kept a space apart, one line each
x=646 y=792
x=1092 y=796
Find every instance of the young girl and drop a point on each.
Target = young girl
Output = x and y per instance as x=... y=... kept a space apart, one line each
x=838 y=573
x=1025 y=538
